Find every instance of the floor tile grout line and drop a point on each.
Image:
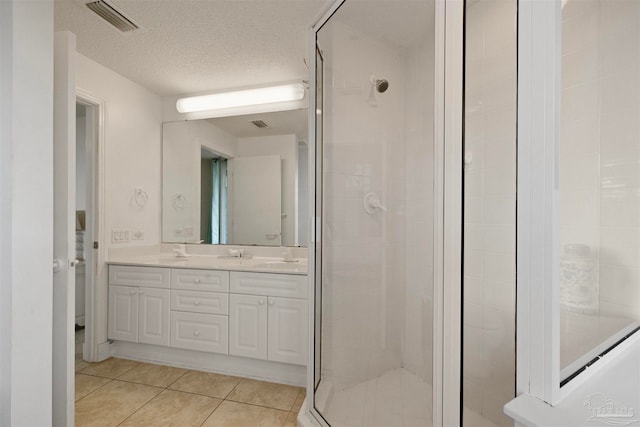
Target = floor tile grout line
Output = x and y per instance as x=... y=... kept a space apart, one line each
x=233 y=389
x=296 y=400
x=91 y=392
x=259 y=406
x=211 y=413
x=136 y=410
x=195 y=394
x=186 y=371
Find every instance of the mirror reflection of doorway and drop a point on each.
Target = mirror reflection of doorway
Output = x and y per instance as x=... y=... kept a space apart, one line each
x=213 y=210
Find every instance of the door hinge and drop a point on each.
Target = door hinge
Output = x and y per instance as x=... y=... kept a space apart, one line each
x=95 y=245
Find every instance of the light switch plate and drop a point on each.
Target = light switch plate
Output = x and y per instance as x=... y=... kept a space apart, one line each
x=120 y=236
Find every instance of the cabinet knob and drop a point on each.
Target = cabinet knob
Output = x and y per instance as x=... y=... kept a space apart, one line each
x=197 y=280
x=141 y=292
x=133 y=292
x=271 y=302
x=261 y=302
x=196 y=333
x=196 y=302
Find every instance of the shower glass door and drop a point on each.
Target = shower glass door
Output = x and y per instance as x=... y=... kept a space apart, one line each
x=375 y=204
x=489 y=274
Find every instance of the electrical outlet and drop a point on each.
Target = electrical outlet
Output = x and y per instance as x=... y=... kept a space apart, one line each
x=188 y=231
x=177 y=232
x=137 y=235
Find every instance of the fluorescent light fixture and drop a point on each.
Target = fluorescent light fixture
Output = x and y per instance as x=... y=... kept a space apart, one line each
x=241 y=98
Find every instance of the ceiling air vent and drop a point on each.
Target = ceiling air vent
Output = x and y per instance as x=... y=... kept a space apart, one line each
x=259 y=123
x=113 y=16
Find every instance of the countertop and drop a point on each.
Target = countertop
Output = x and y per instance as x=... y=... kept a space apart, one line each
x=213 y=262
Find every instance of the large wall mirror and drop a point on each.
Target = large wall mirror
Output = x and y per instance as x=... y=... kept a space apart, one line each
x=238 y=180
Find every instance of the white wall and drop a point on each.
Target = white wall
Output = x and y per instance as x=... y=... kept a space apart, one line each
x=132 y=158
x=26 y=212
x=285 y=147
x=133 y=141
x=182 y=143
x=489 y=217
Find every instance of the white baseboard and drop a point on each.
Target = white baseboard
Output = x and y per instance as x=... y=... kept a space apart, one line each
x=105 y=351
x=264 y=370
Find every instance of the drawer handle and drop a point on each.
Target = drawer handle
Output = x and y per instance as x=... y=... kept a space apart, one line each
x=196 y=333
x=261 y=302
x=196 y=302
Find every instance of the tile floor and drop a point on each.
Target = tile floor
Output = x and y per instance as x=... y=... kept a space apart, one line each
x=119 y=392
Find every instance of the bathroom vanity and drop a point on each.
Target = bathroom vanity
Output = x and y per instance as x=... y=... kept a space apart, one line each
x=245 y=317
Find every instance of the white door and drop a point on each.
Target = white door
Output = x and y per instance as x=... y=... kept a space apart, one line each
x=256 y=200
x=153 y=316
x=248 y=326
x=288 y=330
x=64 y=192
x=123 y=313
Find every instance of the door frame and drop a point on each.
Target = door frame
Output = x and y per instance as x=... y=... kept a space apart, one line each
x=448 y=121
x=96 y=267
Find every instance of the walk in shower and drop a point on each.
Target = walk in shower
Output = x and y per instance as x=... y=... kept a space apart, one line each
x=375 y=286
x=411 y=329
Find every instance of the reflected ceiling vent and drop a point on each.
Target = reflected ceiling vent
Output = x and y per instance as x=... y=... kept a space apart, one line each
x=112 y=15
x=259 y=124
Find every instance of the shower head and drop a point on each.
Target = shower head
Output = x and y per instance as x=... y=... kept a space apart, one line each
x=381 y=85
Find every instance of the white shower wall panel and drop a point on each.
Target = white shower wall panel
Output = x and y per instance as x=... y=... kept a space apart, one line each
x=364 y=152
x=417 y=348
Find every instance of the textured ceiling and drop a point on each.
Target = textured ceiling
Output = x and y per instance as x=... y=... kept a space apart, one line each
x=189 y=46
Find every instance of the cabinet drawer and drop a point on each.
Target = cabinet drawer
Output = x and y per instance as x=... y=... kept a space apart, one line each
x=277 y=285
x=203 y=332
x=152 y=277
x=200 y=302
x=200 y=280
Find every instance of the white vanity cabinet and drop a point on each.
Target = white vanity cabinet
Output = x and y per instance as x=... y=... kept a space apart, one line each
x=271 y=325
x=139 y=304
x=249 y=314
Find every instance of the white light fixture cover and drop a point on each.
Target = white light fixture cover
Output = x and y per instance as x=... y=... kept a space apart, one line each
x=241 y=98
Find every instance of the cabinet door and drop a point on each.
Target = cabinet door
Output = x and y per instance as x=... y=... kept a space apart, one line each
x=248 y=326
x=153 y=319
x=287 y=330
x=123 y=313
